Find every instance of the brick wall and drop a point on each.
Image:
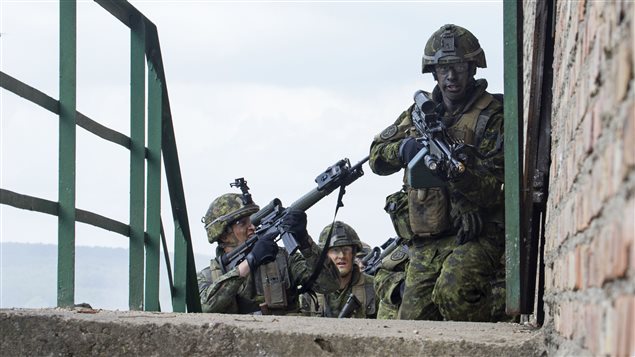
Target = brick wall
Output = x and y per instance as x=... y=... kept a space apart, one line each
x=590 y=225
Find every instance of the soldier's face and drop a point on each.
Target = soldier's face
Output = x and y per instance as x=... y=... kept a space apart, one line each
x=240 y=231
x=343 y=259
x=453 y=80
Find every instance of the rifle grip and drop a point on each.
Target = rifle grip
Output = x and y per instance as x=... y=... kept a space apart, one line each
x=289 y=242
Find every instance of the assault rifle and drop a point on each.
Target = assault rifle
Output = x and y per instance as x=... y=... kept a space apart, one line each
x=352 y=304
x=372 y=261
x=341 y=174
x=444 y=156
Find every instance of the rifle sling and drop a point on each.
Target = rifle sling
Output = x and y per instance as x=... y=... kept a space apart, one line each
x=320 y=263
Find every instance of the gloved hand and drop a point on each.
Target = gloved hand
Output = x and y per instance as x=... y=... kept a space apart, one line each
x=408 y=148
x=294 y=222
x=469 y=226
x=264 y=251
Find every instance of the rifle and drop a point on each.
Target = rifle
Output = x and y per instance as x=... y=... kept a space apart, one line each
x=352 y=304
x=341 y=174
x=444 y=156
x=373 y=259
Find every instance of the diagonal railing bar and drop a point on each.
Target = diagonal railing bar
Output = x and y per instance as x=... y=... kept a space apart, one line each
x=35 y=96
x=25 y=91
x=37 y=204
x=166 y=257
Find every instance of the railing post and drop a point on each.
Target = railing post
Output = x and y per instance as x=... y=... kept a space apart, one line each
x=153 y=228
x=137 y=163
x=512 y=24
x=67 y=153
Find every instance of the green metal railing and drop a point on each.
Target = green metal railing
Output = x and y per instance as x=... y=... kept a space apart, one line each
x=145 y=242
x=513 y=74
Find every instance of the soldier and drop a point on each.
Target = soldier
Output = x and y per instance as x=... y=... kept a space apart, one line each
x=366 y=249
x=457 y=227
x=342 y=249
x=268 y=278
x=389 y=283
x=391 y=276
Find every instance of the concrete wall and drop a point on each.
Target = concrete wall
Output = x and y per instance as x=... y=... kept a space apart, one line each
x=85 y=332
x=589 y=243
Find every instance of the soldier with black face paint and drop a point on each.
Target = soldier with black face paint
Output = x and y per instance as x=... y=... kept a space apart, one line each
x=455 y=230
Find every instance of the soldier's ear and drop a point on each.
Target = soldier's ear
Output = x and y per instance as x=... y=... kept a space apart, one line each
x=434 y=75
x=472 y=69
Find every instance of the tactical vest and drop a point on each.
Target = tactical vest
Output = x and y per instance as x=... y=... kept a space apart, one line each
x=270 y=280
x=429 y=208
x=365 y=293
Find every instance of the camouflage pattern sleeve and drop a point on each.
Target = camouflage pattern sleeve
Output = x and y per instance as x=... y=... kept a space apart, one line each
x=302 y=263
x=384 y=150
x=482 y=181
x=219 y=295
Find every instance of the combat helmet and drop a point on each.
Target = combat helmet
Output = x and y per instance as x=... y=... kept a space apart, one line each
x=342 y=235
x=366 y=249
x=223 y=211
x=452 y=44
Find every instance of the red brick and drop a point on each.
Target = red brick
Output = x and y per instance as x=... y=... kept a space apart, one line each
x=609 y=335
x=596 y=268
x=628 y=231
x=597 y=122
x=579 y=262
x=548 y=277
x=585 y=263
x=628 y=136
x=625 y=325
x=592 y=327
x=571 y=270
x=623 y=69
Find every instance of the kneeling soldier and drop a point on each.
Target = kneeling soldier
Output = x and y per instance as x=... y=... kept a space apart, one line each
x=268 y=279
x=356 y=294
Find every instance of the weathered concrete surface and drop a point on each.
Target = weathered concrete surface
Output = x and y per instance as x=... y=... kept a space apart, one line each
x=66 y=332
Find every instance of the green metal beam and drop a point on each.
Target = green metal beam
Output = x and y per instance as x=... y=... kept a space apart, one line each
x=153 y=227
x=137 y=164
x=512 y=29
x=67 y=153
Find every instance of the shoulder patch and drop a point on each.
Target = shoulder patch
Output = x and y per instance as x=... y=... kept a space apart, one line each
x=397 y=255
x=389 y=132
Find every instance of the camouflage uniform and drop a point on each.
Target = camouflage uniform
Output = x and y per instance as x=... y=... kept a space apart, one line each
x=361 y=284
x=387 y=282
x=330 y=305
x=445 y=280
x=232 y=294
x=228 y=292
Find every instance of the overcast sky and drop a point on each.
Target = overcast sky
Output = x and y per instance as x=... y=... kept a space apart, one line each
x=271 y=91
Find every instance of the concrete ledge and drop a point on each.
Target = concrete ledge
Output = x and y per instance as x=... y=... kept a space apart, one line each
x=80 y=332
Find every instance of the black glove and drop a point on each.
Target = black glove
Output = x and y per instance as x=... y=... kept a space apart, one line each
x=469 y=227
x=408 y=148
x=264 y=251
x=294 y=222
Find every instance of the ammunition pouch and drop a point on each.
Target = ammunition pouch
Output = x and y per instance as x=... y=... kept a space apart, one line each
x=272 y=282
x=397 y=208
x=429 y=210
